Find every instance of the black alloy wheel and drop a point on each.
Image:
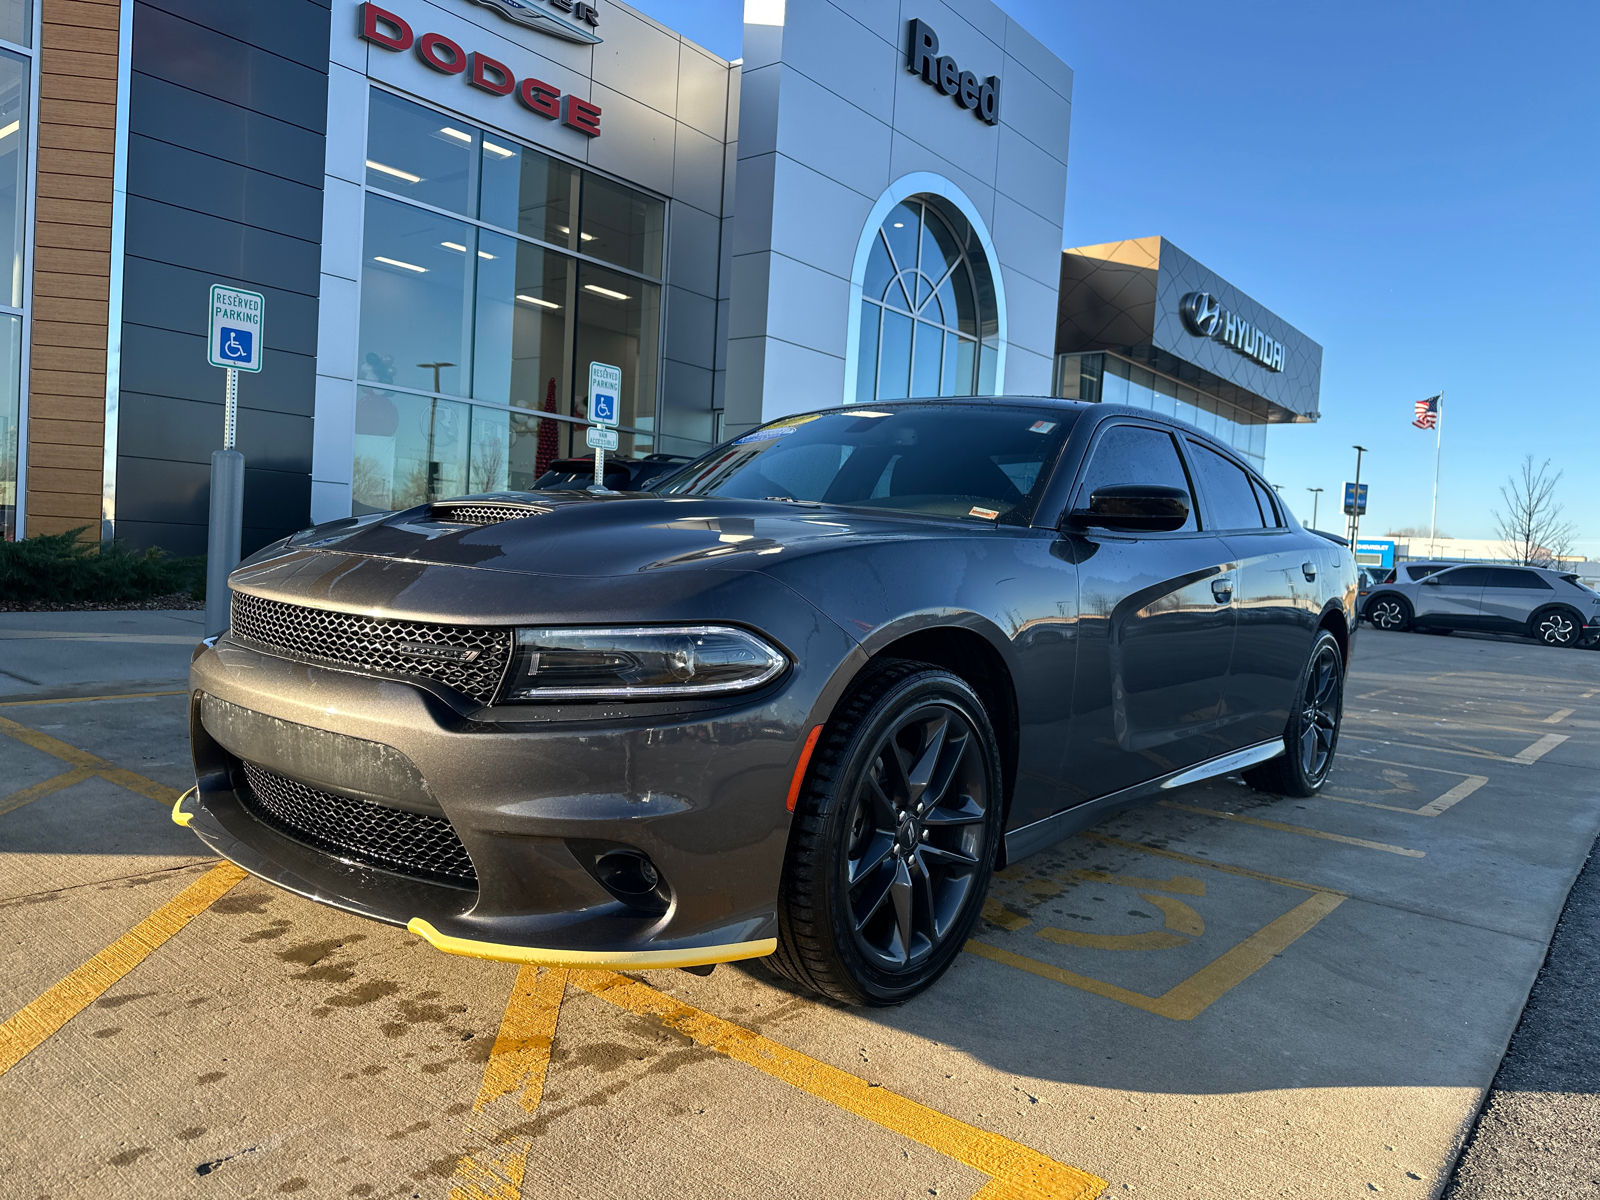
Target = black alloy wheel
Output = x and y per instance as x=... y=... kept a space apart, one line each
x=1556 y=628
x=1312 y=734
x=894 y=838
x=1389 y=612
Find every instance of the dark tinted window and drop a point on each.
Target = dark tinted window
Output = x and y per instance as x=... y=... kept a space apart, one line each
x=1422 y=572
x=1134 y=454
x=1464 y=577
x=943 y=459
x=1230 y=496
x=1269 y=509
x=1502 y=577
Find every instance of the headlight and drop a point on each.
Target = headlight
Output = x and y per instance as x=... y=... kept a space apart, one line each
x=626 y=664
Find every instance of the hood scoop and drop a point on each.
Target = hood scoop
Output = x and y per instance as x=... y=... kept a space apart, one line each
x=481 y=512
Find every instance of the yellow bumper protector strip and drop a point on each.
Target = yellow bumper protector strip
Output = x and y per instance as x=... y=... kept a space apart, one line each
x=179 y=817
x=615 y=960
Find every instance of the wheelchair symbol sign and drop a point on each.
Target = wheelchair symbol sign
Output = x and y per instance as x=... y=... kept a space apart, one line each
x=236 y=324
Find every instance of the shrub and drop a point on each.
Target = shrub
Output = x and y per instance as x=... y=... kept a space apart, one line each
x=57 y=568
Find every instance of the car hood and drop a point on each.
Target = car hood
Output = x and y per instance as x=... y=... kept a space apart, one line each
x=583 y=535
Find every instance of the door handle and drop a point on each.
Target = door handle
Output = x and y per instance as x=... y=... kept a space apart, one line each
x=1309 y=570
x=1222 y=589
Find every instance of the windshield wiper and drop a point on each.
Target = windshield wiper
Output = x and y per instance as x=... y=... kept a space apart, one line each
x=792 y=500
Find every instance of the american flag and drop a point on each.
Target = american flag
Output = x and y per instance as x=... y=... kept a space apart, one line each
x=1427 y=415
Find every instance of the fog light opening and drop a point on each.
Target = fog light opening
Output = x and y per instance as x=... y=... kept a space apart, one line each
x=628 y=873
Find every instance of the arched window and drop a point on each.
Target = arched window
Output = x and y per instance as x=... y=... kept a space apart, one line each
x=929 y=321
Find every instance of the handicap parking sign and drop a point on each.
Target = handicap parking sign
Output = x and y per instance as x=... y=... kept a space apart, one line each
x=236 y=323
x=605 y=390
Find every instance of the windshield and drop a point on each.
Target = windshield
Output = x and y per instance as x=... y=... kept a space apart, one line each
x=943 y=459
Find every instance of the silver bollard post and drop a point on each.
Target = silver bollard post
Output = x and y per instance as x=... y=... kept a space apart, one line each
x=227 y=514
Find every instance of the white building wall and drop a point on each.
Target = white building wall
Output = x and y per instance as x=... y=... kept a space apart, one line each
x=829 y=118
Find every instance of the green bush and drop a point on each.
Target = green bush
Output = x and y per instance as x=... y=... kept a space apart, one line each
x=57 y=568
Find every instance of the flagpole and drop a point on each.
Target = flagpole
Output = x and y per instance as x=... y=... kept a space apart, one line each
x=1438 y=441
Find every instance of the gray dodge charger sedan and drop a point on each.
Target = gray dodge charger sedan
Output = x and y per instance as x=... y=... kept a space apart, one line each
x=799 y=701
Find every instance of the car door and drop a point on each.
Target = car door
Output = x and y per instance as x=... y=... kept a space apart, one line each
x=1155 y=628
x=1452 y=599
x=1275 y=597
x=1510 y=596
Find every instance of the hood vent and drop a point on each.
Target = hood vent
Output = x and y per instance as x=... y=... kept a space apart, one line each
x=481 y=513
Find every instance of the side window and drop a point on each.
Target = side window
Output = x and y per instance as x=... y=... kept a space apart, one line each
x=1230 y=497
x=1464 y=577
x=1504 y=577
x=1264 y=500
x=1419 y=573
x=1135 y=454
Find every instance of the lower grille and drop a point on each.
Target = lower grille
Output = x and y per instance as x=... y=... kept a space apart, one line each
x=471 y=660
x=394 y=839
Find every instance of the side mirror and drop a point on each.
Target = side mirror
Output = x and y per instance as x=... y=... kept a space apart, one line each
x=1431 y=580
x=1133 y=508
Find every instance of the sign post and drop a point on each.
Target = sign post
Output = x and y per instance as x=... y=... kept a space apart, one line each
x=233 y=343
x=605 y=406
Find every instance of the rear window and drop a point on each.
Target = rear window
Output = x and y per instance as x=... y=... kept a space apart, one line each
x=941 y=459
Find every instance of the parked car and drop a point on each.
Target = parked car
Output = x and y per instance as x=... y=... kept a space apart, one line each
x=799 y=703
x=1552 y=606
x=622 y=474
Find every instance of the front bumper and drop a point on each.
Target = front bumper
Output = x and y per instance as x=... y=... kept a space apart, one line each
x=533 y=803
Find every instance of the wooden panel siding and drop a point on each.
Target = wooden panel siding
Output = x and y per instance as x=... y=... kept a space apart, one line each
x=71 y=264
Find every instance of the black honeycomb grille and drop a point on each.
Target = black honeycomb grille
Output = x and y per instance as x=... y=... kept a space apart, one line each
x=394 y=839
x=416 y=648
x=480 y=514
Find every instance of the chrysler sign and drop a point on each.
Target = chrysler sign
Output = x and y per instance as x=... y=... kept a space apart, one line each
x=524 y=12
x=1204 y=316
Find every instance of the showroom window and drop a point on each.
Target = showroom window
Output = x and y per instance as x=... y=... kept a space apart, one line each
x=929 y=321
x=16 y=124
x=492 y=275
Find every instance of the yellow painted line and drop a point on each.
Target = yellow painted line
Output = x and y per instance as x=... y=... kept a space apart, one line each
x=1194 y=995
x=1300 y=829
x=1560 y=715
x=1431 y=809
x=90 y=763
x=1590 y=692
x=41 y=1018
x=517 y=1067
x=1016 y=1171
x=1540 y=748
x=43 y=788
x=87 y=699
x=1226 y=868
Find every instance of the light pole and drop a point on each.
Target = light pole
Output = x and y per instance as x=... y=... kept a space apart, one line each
x=1355 y=508
x=1316 y=495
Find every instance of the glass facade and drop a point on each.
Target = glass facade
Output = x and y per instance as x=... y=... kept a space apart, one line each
x=492 y=276
x=16 y=121
x=1109 y=379
x=929 y=325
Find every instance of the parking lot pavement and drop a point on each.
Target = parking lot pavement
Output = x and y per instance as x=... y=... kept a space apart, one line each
x=1221 y=994
x=54 y=654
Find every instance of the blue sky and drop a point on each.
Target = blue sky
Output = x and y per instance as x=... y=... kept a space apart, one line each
x=1414 y=185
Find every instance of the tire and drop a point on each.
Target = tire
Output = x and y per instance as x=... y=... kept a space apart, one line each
x=1312 y=735
x=1389 y=612
x=875 y=902
x=1556 y=627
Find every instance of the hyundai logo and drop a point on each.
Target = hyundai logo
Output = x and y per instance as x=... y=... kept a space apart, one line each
x=1202 y=313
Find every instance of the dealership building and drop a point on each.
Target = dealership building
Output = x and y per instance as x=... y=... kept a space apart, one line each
x=452 y=208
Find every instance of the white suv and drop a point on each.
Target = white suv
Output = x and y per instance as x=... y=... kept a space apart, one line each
x=1549 y=605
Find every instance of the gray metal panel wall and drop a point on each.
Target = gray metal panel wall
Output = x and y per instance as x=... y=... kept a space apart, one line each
x=225 y=169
